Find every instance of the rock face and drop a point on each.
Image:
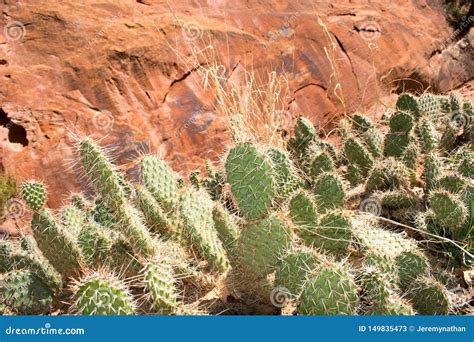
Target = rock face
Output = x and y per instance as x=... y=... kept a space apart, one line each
x=122 y=71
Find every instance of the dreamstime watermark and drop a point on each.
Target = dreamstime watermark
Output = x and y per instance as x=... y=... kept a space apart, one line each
x=14 y=209
x=465 y=22
x=191 y=30
x=370 y=31
x=14 y=31
x=285 y=29
x=103 y=120
x=46 y=330
x=199 y=121
x=280 y=296
x=459 y=120
x=371 y=205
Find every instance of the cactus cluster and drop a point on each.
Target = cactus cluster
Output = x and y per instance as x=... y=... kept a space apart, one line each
x=271 y=223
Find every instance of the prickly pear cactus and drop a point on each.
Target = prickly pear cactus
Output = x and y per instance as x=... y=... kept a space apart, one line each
x=333 y=234
x=101 y=293
x=161 y=181
x=330 y=291
x=429 y=297
x=251 y=177
x=304 y=215
x=34 y=195
x=449 y=210
x=196 y=212
x=57 y=245
x=23 y=292
x=159 y=282
x=95 y=243
x=286 y=177
x=357 y=154
x=227 y=228
x=261 y=245
x=294 y=270
x=329 y=192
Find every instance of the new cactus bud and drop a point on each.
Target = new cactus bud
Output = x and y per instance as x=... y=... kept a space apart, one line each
x=34 y=195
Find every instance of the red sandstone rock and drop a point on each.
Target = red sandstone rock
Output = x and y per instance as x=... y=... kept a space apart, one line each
x=110 y=70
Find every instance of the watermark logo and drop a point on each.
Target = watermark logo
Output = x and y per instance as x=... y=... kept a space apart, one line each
x=190 y=30
x=14 y=208
x=371 y=206
x=459 y=120
x=370 y=31
x=199 y=121
x=14 y=31
x=280 y=296
x=103 y=120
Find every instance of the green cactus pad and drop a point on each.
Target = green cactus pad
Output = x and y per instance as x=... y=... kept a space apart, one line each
x=455 y=101
x=361 y=123
x=159 y=283
x=320 y=164
x=95 y=243
x=356 y=153
x=226 y=226
x=432 y=171
x=408 y=103
x=428 y=135
x=429 y=297
x=294 y=270
x=388 y=174
x=397 y=199
x=99 y=294
x=330 y=291
x=375 y=285
x=304 y=130
x=452 y=183
x=30 y=257
x=329 y=192
x=396 y=144
x=333 y=234
x=401 y=122
x=375 y=141
x=34 y=194
x=304 y=215
x=251 y=177
x=73 y=219
x=25 y=293
x=155 y=217
x=161 y=181
x=410 y=158
x=449 y=210
x=196 y=212
x=429 y=106
x=285 y=173
x=261 y=245
x=394 y=306
x=102 y=173
x=57 y=245
x=410 y=265
x=353 y=175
